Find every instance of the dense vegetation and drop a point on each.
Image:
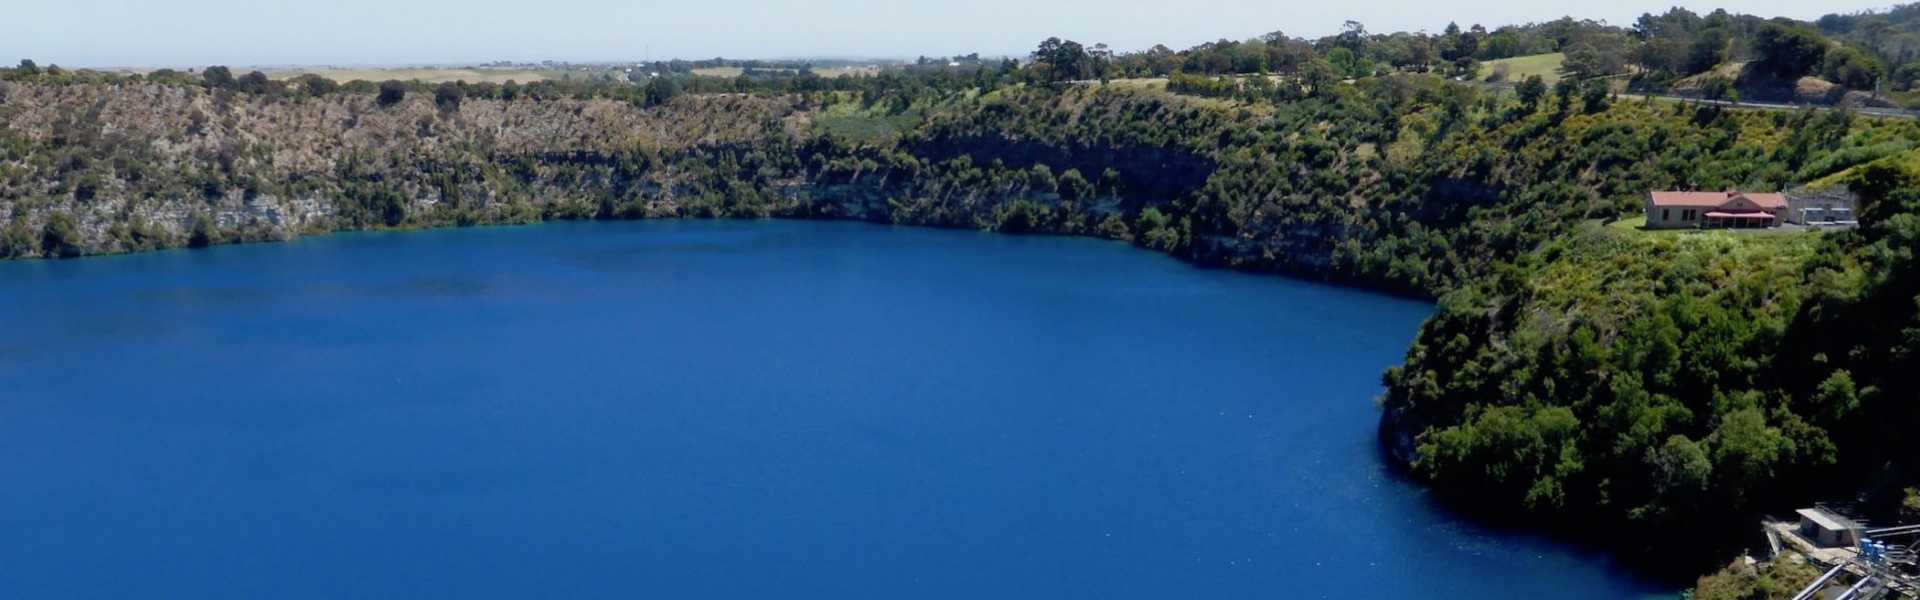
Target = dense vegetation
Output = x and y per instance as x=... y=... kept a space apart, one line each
x=1776 y=580
x=1649 y=386
x=1719 y=54
x=1595 y=379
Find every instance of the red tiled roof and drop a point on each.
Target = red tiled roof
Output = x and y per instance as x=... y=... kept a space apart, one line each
x=1690 y=198
x=1713 y=199
x=1768 y=200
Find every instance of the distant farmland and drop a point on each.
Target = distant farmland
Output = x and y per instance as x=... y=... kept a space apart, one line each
x=821 y=71
x=426 y=75
x=719 y=71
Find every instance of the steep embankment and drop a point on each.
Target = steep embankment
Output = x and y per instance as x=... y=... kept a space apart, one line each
x=116 y=168
x=1402 y=183
x=1643 y=388
x=1590 y=380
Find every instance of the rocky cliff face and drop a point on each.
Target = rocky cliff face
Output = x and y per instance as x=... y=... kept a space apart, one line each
x=142 y=164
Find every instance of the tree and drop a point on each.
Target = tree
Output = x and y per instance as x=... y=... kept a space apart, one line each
x=1465 y=67
x=1353 y=36
x=660 y=90
x=1906 y=76
x=217 y=77
x=1318 y=77
x=1066 y=60
x=17 y=241
x=1349 y=64
x=1074 y=186
x=1564 y=91
x=202 y=233
x=391 y=93
x=254 y=83
x=60 y=238
x=1719 y=89
x=1747 y=451
x=1531 y=90
x=1593 y=60
x=315 y=85
x=448 y=96
x=27 y=68
x=1850 y=67
x=1708 y=49
x=1680 y=472
x=1787 y=51
x=1878 y=183
x=1837 y=397
x=1593 y=95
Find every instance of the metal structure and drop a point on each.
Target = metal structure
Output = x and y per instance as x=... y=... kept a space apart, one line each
x=1881 y=566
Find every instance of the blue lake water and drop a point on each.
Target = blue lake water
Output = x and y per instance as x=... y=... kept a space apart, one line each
x=715 y=410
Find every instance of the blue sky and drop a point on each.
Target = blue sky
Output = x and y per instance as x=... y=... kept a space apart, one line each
x=379 y=32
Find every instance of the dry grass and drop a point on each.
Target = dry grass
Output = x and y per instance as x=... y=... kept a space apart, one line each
x=821 y=71
x=426 y=75
x=849 y=71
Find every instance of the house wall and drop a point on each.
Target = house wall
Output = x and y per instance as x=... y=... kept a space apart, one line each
x=1684 y=217
x=1673 y=217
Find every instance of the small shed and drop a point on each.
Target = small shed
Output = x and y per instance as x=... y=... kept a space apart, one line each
x=1828 y=530
x=1832 y=207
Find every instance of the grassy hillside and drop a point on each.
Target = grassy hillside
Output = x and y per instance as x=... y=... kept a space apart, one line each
x=1545 y=66
x=1901 y=155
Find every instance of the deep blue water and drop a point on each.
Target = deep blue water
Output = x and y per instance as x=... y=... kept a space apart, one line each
x=714 y=410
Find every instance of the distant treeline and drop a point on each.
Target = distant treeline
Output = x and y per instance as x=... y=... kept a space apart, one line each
x=1862 y=52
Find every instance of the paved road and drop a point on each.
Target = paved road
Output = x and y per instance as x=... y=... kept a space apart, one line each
x=1894 y=113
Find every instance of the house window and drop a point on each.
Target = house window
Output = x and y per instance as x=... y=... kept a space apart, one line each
x=1666 y=214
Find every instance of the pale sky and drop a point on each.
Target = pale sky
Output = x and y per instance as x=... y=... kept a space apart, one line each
x=100 y=33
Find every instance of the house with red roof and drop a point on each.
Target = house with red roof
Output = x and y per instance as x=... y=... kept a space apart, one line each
x=1724 y=210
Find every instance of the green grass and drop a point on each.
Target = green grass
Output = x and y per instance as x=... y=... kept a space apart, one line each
x=850 y=121
x=1547 y=66
x=1908 y=161
x=1636 y=226
x=1629 y=224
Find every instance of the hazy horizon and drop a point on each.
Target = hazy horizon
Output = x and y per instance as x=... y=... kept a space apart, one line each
x=118 y=33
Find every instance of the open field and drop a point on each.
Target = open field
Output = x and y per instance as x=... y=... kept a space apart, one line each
x=1140 y=83
x=821 y=71
x=434 y=75
x=1547 y=66
x=849 y=120
x=847 y=71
